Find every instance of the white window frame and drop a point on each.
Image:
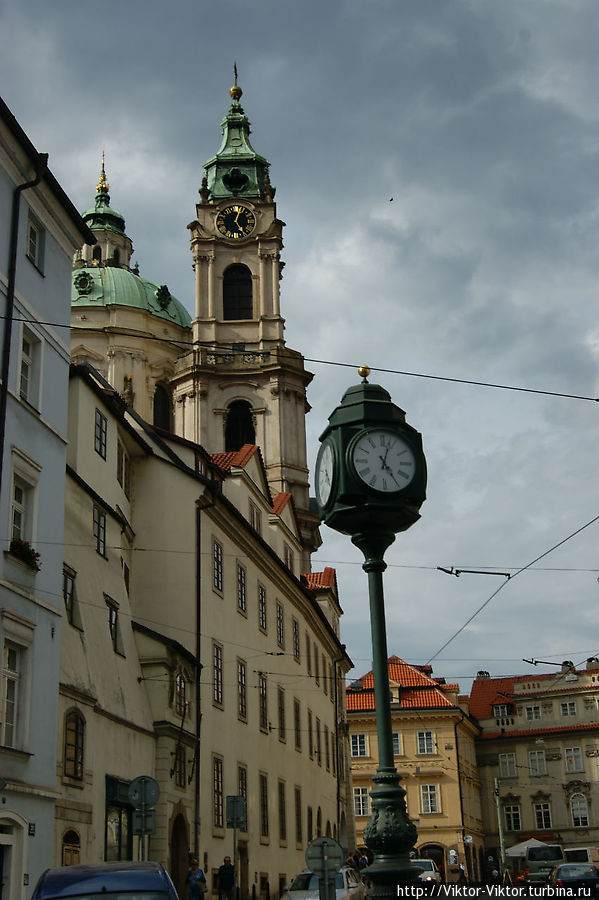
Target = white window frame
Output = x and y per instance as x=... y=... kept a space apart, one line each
x=18 y=633
x=36 y=242
x=396 y=741
x=361 y=801
x=573 y=759
x=425 y=743
x=567 y=708
x=542 y=814
x=580 y=818
x=429 y=799
x=533 y=712
x=507 y=765
x=512 y=817
x=358 y=745
x=280 y=625
x=537 y=762
x=25 y=472
x=500 y=710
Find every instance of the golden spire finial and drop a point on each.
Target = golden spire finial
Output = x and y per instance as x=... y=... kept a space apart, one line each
x=364 y=372
x=102 y=187
x=235 y=91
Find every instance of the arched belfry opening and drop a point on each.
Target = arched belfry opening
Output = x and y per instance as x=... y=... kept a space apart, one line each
x=97 y=254
x=237 y=293
x=162 y=408
x=239 y=429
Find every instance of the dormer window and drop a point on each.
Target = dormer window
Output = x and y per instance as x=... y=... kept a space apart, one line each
x=500 y=710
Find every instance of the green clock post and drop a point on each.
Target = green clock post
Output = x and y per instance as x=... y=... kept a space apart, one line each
x=370 y=484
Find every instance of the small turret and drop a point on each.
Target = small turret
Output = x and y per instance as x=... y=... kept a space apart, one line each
x=113 y=247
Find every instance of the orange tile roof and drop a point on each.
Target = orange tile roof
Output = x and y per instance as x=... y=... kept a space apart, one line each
x=280 y=502
x=321 y=581
x=549 y=730
x=238 y=458
x=486 y=692
x=418 y=689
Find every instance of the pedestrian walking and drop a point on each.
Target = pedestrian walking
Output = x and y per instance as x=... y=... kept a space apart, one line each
x=196 y=881
x=226 y=880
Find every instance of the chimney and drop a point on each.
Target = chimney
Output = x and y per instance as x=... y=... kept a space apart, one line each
x=481 y=674
x=592 y=664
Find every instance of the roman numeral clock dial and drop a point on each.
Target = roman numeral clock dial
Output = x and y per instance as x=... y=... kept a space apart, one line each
x=236 y=221
x=384 y=461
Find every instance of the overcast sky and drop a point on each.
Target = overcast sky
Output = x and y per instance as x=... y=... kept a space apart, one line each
x=436 y=163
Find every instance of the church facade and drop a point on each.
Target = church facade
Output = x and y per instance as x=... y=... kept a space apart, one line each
x=198 y=647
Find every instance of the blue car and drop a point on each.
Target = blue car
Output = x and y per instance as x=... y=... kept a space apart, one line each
x=118 y=880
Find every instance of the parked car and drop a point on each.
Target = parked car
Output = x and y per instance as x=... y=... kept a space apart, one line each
x=142 y=880
x=348 y=886
x=431 y=870
x=576 y=876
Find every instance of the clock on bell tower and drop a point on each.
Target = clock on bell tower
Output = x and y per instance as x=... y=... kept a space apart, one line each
x=241 y=384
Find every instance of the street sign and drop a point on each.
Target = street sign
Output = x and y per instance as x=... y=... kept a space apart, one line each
x=144 y=822
x=324 y=856
x=143 y=791
x=235 y=811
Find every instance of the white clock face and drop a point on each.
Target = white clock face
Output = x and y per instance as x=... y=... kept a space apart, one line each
x=384 y=460
x=324 y=473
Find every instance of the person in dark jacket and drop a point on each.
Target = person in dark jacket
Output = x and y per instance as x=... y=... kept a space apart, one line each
x=226 y=880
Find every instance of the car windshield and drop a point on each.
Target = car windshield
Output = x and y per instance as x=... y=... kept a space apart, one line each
x=576 y=871
x=115 y=895
x=538 y=854
x=424 y=863
x=307 y=881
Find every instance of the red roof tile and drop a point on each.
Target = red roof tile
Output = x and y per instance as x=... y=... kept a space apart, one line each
x=486 y=692
x=418 y=690
x=280 y=502
x=237 y=458
x=321 y=581
x=531 y=731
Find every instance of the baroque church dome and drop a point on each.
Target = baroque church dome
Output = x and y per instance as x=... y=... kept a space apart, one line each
x=103 y=278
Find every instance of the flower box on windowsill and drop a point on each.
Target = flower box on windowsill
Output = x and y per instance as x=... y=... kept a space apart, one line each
x=24 y=553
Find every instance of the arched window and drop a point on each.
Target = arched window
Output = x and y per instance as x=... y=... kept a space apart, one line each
x=116 y=256
x=237 y=293
x=579 y=809
x=71 y=848
x=162 y=408
x=74 y=734
x=240 y=426
x=97 y=254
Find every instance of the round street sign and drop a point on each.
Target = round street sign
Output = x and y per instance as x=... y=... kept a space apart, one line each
x=143 y=790
x=324 y=853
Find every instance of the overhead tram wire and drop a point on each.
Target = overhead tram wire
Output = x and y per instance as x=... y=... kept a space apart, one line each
x=509 y=581
x=322 y=362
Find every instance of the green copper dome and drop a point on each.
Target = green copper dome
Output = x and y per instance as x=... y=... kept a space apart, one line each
x=237 y=170
x=113 y=286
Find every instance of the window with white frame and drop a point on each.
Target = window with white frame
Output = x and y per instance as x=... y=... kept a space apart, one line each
x=20 y=514
x=255 y=518
x=429 y=798
x=263 y=701
x=507 y=765
x=579 y=810
x=114 y=625
x=36 y=240
x=358 y=745
x=217 y=792
x=242 y=703
x=99 y=530
x=568 y=708
x=288 y=556
x=533 y=712
x=30 y=368
x=280 y=626
x=537 y=764
x=241 y=588
x=396 y=737
x=100 y=433
x=542 y=814
x=425 y=742
x=296 y=639
x=513 y=821
x=180 y=694
x=500 y=709
x=23 y=506
x=217 y=673
x=12 y=679
x=573 y=757
x=217 y=565
x=361 y=801
x=261 y=608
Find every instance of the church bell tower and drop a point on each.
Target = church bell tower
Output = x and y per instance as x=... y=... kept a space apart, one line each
x=240 y=383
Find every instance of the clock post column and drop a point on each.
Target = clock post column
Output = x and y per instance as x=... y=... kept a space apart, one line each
x=370 y=484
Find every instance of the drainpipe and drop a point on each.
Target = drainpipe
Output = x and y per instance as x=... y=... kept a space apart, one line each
x=202 y=504
x=41 y=164
x=457 y=757
x=336 y=682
